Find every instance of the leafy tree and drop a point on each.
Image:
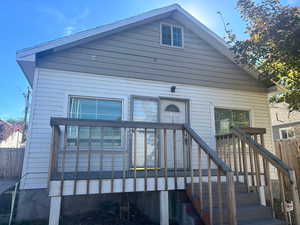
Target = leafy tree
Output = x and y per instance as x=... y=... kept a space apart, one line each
x=273 y=46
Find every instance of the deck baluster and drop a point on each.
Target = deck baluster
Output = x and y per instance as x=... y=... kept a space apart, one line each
x=145 y=160
x=124 y=165
x=210 y=196
x=101 y=158
x=134 y=158
x=165 y=159
x=63 y=160
x=251 y=165
x=174 y=158
x=183 y=156
x=246 y=181
x=220 y=197
x=200 y=179
x=89 y=160
x=235 y=157
x=77 y=158
x=190 y=147
x=157 y=156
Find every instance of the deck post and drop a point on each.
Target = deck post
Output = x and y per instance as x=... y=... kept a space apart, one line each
x=55 y=204
x=164 y=207
x=262 y=195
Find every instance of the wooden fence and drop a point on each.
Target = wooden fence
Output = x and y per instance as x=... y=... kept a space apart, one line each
x=11 y=162
x=289 y=152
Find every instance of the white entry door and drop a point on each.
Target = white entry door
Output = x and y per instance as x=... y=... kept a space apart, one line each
x=173 y=111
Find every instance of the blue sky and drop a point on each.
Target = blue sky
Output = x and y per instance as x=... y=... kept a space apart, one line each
x=27 y=23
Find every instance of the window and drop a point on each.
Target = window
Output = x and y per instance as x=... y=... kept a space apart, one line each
x=145 y=109
x=227 y=118
x=171 y=35
x=172 y=108
x=287 y=133
x=98 y=109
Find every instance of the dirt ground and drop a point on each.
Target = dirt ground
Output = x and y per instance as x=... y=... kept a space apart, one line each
x=108 y=214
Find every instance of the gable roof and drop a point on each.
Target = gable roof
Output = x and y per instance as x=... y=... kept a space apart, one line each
x=26 y=57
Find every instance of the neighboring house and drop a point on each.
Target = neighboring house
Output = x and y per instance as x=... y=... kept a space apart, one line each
x=286 y=124
x=172 y=78
x=10 y=135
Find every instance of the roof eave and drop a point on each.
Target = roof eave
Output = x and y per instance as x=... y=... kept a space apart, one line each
x=27 y=64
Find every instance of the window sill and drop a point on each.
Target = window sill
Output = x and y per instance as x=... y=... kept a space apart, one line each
x=171 y=47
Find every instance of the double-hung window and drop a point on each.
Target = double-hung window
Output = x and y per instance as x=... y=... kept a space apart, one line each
x=227 y=118
x=171 y=35
x=97 y=109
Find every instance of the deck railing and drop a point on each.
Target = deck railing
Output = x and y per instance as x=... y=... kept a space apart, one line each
x=244 y=151
x=93 y=149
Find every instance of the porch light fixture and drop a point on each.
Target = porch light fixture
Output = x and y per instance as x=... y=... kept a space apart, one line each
x=173 y=88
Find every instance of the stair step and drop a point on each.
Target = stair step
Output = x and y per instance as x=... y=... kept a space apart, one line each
x=239 y=187
x=262 y=222
x=245 y=213
x=249 y=210
x=242 y=199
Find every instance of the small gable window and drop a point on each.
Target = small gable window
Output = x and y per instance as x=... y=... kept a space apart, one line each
x=171 y=35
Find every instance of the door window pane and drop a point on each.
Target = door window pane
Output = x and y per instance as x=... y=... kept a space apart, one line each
x=227 y=118
x=147 y=111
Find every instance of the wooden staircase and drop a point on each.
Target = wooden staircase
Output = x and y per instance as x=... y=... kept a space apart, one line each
x=249 y=210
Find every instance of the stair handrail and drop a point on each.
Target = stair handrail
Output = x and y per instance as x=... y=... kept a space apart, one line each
x=276 y=162
x=208 y=150
x=266 y=154
x=213 y=155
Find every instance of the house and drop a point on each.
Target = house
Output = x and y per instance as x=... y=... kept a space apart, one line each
x=10 y=135
x=141 y=106
x=285 y=124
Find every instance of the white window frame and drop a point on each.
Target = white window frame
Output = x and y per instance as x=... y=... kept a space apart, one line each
x=124 y=140
x=214 y=107
x=287 y=129
x=172 y=25
x=95 y=98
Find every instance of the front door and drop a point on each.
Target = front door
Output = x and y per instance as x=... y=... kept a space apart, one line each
x=148 y=109
x=173 y=111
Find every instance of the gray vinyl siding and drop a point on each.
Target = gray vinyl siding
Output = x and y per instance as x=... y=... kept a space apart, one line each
x=137 y=53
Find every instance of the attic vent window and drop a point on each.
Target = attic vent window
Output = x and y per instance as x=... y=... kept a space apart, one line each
x=172 y=108
x=171 y=35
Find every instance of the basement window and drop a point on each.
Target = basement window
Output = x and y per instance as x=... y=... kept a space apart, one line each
x=171 y=35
